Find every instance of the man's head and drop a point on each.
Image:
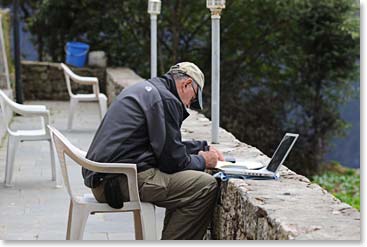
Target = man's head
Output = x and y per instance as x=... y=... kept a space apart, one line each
x=189 y=83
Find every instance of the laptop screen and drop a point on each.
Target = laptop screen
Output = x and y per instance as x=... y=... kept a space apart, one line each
x=281 y=151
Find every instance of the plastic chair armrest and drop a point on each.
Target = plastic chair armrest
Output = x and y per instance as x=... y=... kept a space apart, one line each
x=85 y=80
x=102 y=167
x=111 y=167
x=31 y=110
x=120 y=168
x=82 y=153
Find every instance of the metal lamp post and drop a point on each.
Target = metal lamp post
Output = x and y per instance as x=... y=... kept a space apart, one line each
x=154 y=9
x=216 y=7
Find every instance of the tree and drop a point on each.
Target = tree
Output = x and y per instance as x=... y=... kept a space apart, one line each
x=294 y=68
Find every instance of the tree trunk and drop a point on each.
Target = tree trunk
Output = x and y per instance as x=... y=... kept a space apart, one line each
x=40 y=47
x=176 y=26
x=316 y=125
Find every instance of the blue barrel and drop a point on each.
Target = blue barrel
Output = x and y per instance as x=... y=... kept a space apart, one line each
x=76 y=53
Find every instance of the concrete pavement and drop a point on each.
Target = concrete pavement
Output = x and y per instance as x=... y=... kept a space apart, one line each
x=34 y=209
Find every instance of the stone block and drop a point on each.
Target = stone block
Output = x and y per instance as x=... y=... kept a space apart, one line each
x=118 y=79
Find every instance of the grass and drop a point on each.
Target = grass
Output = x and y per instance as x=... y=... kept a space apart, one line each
x=343 y=183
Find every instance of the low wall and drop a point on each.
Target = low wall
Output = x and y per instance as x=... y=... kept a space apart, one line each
x=46 y=81
x=118 y=79
x=289 y=208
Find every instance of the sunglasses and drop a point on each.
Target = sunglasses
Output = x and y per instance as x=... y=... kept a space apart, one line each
x=194 y=100
x=193 y=88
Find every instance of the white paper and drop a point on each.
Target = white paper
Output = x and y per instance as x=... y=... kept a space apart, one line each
x=246 y=164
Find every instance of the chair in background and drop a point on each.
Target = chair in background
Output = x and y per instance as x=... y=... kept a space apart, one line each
x=82 y=206
x=96 y=96
x=15 y=136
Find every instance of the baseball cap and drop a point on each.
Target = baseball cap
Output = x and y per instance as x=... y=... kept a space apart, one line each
x=197 y=75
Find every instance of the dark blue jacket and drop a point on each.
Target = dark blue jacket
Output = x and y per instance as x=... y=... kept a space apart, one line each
x=142 y=126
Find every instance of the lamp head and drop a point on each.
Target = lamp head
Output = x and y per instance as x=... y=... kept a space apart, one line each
x=154 y=7
x=215 y=4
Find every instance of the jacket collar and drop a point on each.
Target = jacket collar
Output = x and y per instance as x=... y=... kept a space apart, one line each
x=168 y=81
x=171 y=85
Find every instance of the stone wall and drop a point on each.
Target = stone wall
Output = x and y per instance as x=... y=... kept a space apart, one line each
x=289 y=208
x=118 y=79
x=46 y=81
x=292 y=208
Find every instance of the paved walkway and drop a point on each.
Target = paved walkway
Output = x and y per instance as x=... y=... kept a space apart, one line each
x=34 y=208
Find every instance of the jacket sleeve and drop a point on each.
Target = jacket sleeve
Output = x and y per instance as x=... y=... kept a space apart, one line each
x=193 y=147
x=175 y=156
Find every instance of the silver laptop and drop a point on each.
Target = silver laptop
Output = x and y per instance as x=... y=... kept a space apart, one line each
x=271 y=169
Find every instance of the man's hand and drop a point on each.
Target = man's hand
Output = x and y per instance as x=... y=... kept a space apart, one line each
x=211 y=158
x=219 y=153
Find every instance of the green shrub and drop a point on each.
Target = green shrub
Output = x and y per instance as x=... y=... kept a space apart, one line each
x=344 y=186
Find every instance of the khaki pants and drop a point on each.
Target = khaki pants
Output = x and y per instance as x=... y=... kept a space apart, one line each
x=188 y=196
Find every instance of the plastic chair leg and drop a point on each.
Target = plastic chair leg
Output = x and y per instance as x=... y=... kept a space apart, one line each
x=79 y=217
x=53 y=165
x=72 y=107
x=70 y=219
x=138 y=225
x=102 y=105
x=149 y=223
x=10 y=156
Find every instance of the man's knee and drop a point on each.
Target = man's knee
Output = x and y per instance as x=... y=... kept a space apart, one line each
x=209 y=182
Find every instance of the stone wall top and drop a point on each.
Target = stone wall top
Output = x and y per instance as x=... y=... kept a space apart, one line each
x=27 y=62
x=123 y=76
x=118 y=79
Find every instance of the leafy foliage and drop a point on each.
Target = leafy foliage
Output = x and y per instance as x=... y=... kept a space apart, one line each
x=344 y=184
x=288 y=72
x=286 y=65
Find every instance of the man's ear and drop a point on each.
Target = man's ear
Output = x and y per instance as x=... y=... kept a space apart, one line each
x=187 y=82
x=182 y=85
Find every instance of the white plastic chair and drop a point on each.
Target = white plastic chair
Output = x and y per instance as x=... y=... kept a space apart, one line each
x=16 y=136
x=96 y=96
x=82 y=206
